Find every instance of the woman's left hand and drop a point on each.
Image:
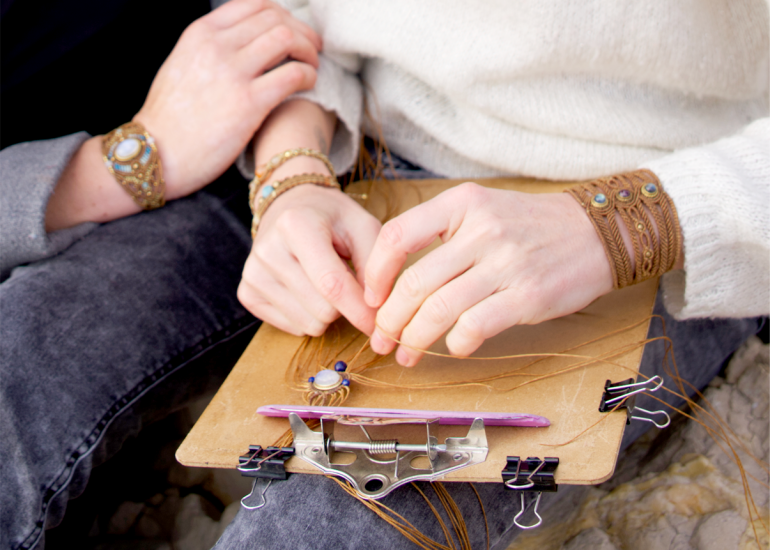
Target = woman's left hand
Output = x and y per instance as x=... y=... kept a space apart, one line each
x=507 y=258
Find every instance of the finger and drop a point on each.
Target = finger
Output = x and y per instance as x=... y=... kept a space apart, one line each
x=277 y=44
x=233 y=12
x=329 y=274
x=258 y=306
x=408 y=233
x=303 y=27
x=284 y=267
x=413 y=287
x=261 y=291
x=273 y=87
x=440 y=311
x=362 y=230
x=488 y=318
x=308 y=32
x=259 y=23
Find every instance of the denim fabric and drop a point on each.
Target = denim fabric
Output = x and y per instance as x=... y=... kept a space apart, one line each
x=124 y=326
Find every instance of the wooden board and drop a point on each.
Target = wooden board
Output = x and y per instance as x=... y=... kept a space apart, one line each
x=570 y=400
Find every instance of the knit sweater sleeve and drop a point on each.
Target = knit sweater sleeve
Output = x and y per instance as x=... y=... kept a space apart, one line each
x=337 y=89
x=28 y=175
x=722 y=196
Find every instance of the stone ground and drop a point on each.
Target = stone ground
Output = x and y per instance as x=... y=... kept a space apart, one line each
x=674 y=490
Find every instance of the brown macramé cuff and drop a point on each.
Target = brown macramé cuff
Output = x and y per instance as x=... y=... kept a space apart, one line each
x=638 y=200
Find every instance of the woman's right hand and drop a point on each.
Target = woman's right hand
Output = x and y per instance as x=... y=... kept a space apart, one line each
x=297 y=276
x=218 y=85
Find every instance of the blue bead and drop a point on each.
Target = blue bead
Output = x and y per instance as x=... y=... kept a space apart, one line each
x=340 y=366
x=600 y=198
x=650 y=188
x=311 y=379
x=266 y=190
x=346 y=382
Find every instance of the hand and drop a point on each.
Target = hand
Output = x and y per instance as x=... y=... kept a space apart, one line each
x=218 y=85
x=508 y=258
x=296 y=277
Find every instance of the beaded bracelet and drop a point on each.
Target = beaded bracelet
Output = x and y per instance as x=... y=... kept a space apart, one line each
x=272 y=192
x=640 y=202
x=131 y=156
x=266 y=170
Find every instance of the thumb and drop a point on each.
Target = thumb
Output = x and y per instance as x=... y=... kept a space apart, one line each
x=271 y=88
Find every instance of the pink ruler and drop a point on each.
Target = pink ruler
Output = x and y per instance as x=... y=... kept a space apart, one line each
x=444 y=417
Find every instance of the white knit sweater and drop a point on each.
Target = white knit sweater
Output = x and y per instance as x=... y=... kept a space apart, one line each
x=575 y=90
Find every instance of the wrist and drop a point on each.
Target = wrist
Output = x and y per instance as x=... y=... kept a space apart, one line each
x=587 y=240
x=298 y=165
x=261 y=189
x=87 y=192
x=270 y=193
x=168 y=160
x=637 y=224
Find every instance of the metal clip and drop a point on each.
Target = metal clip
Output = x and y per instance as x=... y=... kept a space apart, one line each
x=511 y=483
x=521 y=512
x=372 y=473
x=626 y=392
x=254 y=488
x=538 y=473
x=650 y=420
x=265 y=463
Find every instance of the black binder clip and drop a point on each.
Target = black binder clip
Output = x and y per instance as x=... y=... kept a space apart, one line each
x=625 y=393
x=533 y=474
x=263 y=465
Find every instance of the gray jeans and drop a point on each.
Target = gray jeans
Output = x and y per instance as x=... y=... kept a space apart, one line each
x=141 y=316
x=122 y=328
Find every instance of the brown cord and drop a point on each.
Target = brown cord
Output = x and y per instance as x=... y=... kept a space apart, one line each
x=639 y=201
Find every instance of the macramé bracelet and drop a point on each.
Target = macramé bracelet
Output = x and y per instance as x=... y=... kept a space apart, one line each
x=639 y=201
x=265 y=171
x=130 y=154
x=272 y=192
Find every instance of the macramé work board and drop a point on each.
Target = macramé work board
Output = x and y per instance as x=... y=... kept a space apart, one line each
x=570 y=400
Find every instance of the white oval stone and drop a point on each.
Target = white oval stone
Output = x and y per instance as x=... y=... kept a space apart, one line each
x=327 y=379
x=127 y=149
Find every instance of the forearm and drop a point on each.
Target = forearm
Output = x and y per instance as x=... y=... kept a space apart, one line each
x=296 y=123
x=87 y=192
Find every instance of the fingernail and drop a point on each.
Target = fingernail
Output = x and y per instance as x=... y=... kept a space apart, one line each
x=376 y=342
x=402 y=358
x=369 y=296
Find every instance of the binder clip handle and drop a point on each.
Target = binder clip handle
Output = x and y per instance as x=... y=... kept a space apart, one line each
x=521 y=513
x=254 y=488
x=650 y=420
